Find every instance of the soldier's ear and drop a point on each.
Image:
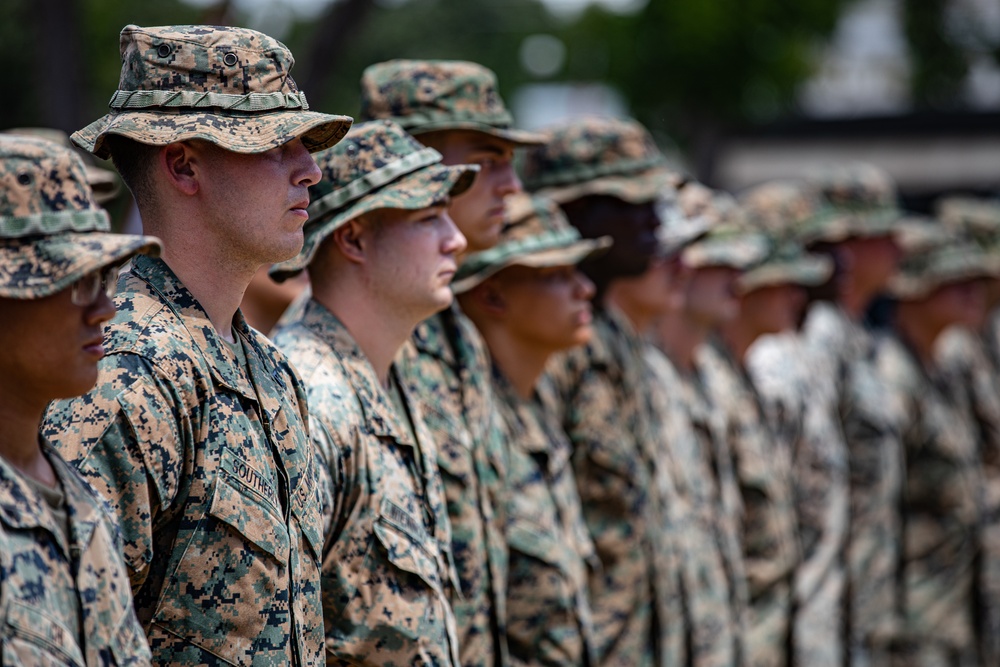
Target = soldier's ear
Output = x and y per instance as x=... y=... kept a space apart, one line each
x=491 y=298
x=351 y=241
x=179 y=162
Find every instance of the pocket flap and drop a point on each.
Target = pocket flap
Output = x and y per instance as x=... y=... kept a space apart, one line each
x=409 y=552
x=32 y=624
x=240 y=508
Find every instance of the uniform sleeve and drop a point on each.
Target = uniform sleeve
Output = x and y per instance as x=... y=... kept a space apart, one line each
x=126 y=437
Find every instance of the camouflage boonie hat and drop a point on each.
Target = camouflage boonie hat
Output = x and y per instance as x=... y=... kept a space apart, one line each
x=104 y=183
x=678 y=230
x=727 y=246
x=786 y=264
x=431 y=95
x=598 y=156
x=228 y=86
x=51 y=231
x=537 y=234
x=935 y=261
x=862 y=203
x=378 y=165
x=783 y=208
x=977 y=218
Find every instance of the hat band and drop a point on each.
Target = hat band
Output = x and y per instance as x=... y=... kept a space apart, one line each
x=185 y=99
x=373 y=180
x=54 y=223
x=526 y=246
x=590 y=172
x=498 y=119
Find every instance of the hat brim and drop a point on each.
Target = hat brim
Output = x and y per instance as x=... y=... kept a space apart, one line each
x=411 y=192
x=567 y=255
x=640 y=188
x=908 y=288
x=39 y=266
x=514 y=136
x=844 y=225
x=804 y=272
x=239 y=133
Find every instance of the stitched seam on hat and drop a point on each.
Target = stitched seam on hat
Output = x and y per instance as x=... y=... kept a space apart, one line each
x=500 y=120
x=145 y=99
x=582 y=173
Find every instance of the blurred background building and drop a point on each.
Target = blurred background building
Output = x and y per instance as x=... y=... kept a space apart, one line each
x=737 y=91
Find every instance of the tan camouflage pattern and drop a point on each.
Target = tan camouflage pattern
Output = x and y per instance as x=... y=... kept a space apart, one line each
x=941 y=505
x=973 y=377
x=171 y=73
x=536 y=234
x=782 y=208
x=598 y=156
x=387 y=569
x=444 y=366
x=208 y=469
x=862 y=199
x=800 y=403
x=378 y=165
x=605 y=391
x=430 y=95
x=924 y=267
x=786 y=264
x=714 y=581
x=768 y=531
x=977 y=218
x=551 y=553
x=51 y=590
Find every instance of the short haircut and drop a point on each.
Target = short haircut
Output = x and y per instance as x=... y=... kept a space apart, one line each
x=134 y=162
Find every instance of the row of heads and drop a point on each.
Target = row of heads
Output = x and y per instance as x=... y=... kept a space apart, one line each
x=232 y=87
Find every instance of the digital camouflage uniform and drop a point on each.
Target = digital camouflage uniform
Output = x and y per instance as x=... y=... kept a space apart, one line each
x=972 y=360
x=200 y=446
x=387 y=568
x=551 y=553
x=604 y=389
x=64 y=593
x=942 y=500
x=799 y=397
x=762 y=466
x=445 y=365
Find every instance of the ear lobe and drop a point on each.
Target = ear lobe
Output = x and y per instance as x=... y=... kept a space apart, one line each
x=491 y=298
x=178 y=161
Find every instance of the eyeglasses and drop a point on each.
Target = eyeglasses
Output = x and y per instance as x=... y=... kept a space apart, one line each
x=87 y=289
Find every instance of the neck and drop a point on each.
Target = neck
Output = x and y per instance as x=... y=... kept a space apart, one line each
x=854 y=302
x=378 y=330
x=640 y=319
x=521 y=363
x=679 y=337
x=214 y=279
x=916 y=332
x=19 y=445
x=737 y=338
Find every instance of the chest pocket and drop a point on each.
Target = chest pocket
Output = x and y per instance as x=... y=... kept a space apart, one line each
x=248 y=513
x=31 y=637
x=407 y=545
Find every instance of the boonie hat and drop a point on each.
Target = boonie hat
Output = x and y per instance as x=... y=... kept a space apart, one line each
x=978 y=218
x=862 y=203
x=932 y=260
x=229 y=86
x=431 y=95
x=378 y=165
x=786 y=264
x=598 y=156
x=783 y=208
x=537 y=234
x=52 y=233
x=104 y=183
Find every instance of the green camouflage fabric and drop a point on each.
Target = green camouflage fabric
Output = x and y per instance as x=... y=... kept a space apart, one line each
x=941 y=510
x=387 y=568
x=678 y=230
x=605 y=402
x=979 y=219
x=786 y=264
x=104 y=183
x=862 y=199
x=714 y=581
x=378 y=165
x=431 y=95
x=926 y=267
x=782 y=208
x=63 y=603
x=207 y=466
x=724 y=246
x=551 y=553
x=230 y=86
x=974 y=377
x=444 y=366
x=768 y=531
x=536 y=234
x=598 y=156
x=800 y=404
x=52 y=233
